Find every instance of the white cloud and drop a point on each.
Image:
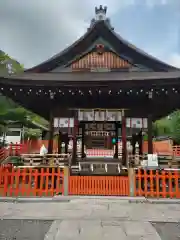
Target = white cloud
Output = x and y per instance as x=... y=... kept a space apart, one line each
x=174 y=60
x=153 y=3
x=34 y=30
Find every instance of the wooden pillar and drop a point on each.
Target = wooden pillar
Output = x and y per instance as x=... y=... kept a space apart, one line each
x=59 y=142
x=109 y=141
x=66 y=143
x=75 y=131
x=150 y=140
x=116 y=137
x=51 y=133
x=124 y=140
x=83 y=140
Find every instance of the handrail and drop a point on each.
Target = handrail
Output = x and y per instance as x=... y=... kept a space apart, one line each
x=46 y=155
x=3 y=154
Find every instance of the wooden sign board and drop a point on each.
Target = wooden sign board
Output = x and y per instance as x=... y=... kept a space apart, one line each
x=152 y=160
x=99 y=115
x=63 y=122
x=100 y=127
x=140 y=123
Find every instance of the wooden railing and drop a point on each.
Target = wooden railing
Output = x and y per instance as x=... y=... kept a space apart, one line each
x=51 y=181
x=157 y=184
x=176 y=151
x=17 y=149
x=2 y=154
x=27 y=148
x=31 y=181
x=101 y=185
x=48 y=159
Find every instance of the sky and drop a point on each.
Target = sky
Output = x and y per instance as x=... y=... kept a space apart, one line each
x=34 y=30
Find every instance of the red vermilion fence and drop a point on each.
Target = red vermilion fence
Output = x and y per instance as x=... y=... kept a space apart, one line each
x=17 y=149
x=99 y=185
x=159 y=184
x=176 y=151
x=2 y=154
x=52 y=181
x=31 y=182
x=13 y=150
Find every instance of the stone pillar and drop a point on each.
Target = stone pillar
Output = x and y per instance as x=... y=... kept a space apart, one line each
x=83 y=140
x=124 y=140
x=51 y=133
x=116 y=137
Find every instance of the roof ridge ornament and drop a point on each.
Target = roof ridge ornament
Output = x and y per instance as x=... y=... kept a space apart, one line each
x=100 y=15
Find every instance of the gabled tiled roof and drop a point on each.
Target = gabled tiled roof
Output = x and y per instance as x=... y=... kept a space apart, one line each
x=104 y=30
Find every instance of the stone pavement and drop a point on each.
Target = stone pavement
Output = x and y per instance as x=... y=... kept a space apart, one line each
x=98 y=218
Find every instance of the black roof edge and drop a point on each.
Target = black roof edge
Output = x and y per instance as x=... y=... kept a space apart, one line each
x=57 y=57
x=143 y=53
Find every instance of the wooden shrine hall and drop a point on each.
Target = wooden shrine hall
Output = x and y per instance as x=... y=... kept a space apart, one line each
x=99 y=79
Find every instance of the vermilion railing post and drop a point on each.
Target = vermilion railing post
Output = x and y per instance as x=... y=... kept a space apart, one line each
x=5 y=178
x=163 y=184
x=132 y=182
x=177 y=191
x=10 y=150
x=157 y=184
x=66 y=181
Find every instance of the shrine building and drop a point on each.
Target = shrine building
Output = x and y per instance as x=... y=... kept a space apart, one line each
x=100 y=86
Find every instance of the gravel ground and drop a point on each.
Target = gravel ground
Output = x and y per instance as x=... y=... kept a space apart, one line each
x=23 y=229
x=167 y=231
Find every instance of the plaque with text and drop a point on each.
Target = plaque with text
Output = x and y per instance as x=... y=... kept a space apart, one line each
x=136 y=123
x=100 y=127
x=63 y=122
x=99 y=115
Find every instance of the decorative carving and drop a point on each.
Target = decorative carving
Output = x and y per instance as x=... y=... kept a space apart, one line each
x=104 y=60
x=100 y=13
x=100 y=48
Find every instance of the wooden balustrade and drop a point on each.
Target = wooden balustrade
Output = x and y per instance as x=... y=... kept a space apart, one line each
x=48 y=159
x=50 y=181
x=31 y=181
x=157 y=183
x=99 y=185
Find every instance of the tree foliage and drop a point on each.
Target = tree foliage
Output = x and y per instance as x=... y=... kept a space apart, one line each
x=9 y=110
x=169 y=126
x=9 y=65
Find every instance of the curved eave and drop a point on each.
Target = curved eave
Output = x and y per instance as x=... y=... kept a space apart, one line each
x=121 y=46
x=90 y=78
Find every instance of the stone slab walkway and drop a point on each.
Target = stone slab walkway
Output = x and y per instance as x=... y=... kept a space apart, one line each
x=96 y=218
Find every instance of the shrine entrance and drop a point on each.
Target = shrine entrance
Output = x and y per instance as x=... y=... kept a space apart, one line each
x=98 y=129
x=99 y=135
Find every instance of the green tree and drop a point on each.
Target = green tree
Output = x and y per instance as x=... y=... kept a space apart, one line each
x=168 y=126
x=174 y=119
x=162 y=127
x=9 y=110
x=9 y=65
